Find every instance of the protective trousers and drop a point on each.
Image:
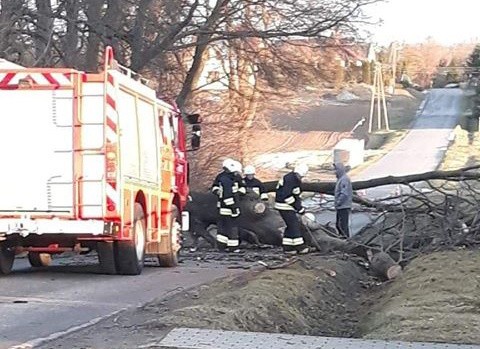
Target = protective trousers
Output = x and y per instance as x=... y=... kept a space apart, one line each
x=227 y=234
x=292 y=238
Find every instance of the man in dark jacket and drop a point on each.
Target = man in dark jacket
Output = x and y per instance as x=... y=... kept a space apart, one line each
x=226 y=187
x=254 y=184
x=289 y=203
x=343 y=199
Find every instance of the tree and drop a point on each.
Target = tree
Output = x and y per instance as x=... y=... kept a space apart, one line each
x=168 y=41
x=474 y=58
x=145 y=32
x=453 y=74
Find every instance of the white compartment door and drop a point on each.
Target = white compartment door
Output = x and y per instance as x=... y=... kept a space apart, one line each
x=36 y=151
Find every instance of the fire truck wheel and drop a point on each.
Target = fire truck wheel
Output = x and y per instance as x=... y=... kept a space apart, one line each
x=171 y=259
x=130 y=255
x=106 y=257
x=7 y=255
x=37 y=259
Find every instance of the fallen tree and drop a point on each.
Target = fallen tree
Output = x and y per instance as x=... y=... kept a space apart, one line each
x=441 y=214
x=258 y=223
x=328 y=187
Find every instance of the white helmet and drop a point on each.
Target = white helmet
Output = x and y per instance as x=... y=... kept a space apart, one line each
x=301 y=169
x=238 y=167
x=229 y=164
x=249 y=170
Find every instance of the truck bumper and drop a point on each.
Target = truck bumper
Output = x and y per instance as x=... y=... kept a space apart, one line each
x=26 y=226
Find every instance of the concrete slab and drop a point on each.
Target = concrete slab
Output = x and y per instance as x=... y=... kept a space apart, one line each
x=190 y=338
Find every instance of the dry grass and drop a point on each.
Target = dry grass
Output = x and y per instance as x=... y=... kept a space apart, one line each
x=435 y=300
x=464 y=150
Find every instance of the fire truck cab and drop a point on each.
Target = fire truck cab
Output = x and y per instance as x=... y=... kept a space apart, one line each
x=90 y=161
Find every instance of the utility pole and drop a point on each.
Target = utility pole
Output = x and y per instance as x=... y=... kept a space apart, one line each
x=394 y=65
x=378 y=97
x=372 y=101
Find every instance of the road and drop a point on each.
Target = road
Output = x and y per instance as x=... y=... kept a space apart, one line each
x=420 y=151
x=37 y=303
x=424 y=146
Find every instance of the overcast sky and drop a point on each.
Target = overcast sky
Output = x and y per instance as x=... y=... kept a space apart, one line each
x=447 y=21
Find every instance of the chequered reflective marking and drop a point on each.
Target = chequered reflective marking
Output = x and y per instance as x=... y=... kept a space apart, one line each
x=190 y=338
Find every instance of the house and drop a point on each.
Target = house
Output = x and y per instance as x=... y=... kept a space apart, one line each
x=221 y=70
x=320 y=53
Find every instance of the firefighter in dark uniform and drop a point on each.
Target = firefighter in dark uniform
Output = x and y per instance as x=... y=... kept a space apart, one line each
x=289 y=203
x=254 y=184
x=226 y=187
x=239 y=185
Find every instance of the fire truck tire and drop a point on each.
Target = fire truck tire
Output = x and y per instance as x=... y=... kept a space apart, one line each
x=38 y=260
x=130 y=255
x=171 y=259
x=106 y=257
x=7 y=257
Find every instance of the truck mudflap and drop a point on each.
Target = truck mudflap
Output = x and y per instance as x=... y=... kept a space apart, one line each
x=26 y=226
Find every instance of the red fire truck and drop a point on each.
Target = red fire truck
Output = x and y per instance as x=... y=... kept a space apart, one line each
x=89 y=161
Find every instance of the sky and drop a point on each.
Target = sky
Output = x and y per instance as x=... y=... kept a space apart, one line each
x=412 y=21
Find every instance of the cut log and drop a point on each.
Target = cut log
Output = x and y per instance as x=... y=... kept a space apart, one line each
x=259 y=208
x=384 y=266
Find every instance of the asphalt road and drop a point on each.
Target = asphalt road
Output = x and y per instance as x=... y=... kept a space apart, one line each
x=423 y=148
x=420 y=151
x=38 y=303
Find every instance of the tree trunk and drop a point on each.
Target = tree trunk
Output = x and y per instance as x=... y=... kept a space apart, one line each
x=198 y=59
x=384 y=266
x=92 y=54
x=193 y=75
x=70 y=41
x=43 y=29
x=328 y=187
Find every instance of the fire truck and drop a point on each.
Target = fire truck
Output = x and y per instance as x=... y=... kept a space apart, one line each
x=90 y=161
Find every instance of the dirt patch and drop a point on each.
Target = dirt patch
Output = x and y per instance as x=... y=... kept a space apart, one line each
x=287 y=141
x=314 y=296
x=435 y=300
x=297 y=300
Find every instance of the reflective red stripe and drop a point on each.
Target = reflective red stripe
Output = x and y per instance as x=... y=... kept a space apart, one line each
x=111 y=102
x=111 y=124
x=111 y=163
x=50 y=79
x=6 y=80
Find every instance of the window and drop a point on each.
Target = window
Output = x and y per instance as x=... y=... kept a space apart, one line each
x=213 y=76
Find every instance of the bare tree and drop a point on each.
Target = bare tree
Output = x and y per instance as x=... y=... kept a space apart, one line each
x=143 y=31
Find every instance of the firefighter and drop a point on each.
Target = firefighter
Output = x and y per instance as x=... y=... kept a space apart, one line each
x=226 y=188
x=240 y=187
x=253 y=183
x=289 y=204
